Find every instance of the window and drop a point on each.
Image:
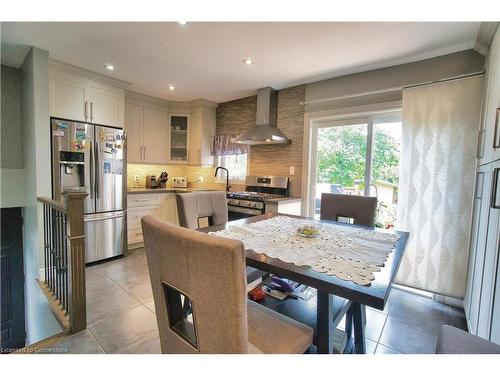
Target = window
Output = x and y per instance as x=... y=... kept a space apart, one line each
x=236 y=164
x=358 y=156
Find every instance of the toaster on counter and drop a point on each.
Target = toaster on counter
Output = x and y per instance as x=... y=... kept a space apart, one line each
x=179 y=182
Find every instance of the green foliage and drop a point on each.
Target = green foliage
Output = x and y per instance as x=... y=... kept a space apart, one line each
x=342 y=154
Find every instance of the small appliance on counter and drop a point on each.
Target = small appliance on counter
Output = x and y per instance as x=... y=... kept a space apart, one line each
x=179 y=182
x=151 y=182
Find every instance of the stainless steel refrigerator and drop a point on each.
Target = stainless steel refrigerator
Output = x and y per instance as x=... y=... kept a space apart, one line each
x=92 y=158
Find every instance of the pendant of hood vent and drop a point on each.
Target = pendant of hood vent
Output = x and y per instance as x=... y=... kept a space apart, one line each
x=265 y=131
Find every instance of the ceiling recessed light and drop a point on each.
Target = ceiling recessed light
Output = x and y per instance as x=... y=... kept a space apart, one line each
x=171 y=87
x=182 y=22
x=109 y=67
x=247 y=61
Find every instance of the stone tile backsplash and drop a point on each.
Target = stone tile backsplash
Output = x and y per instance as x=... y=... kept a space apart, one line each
x=192 y=173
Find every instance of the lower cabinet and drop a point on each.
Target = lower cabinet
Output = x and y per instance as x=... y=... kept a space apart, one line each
x=163 y=206
x=482 y=299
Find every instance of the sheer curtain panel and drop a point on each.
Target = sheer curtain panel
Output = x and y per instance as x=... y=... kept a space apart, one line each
x=438 y=159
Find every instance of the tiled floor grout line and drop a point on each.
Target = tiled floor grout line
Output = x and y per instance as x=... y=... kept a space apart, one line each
x=394 y=305
x=381 y=331
x=104 y=316
x=96 y=341
x=122 y=288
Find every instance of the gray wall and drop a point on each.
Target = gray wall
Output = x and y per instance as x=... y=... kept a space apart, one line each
x=321 y=95
x=40 y=323
x=11 y=146
x=236 y=116
x=11 y=162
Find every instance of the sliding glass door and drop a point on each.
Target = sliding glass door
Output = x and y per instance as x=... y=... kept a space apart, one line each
x=357 y=156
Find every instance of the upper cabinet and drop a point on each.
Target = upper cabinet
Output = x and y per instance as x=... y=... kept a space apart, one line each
x=147 y=134
x=169 y=132
x=155 y=136
x=179 y=139
x=76 y=98
x=202 y=131
x=67 y=100
x=134 y=126
x=105 y=106
x=489 y=134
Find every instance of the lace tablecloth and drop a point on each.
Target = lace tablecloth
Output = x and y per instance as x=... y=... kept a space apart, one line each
x=348 y=253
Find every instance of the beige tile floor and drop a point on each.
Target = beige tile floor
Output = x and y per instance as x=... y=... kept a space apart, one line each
x=121 y=317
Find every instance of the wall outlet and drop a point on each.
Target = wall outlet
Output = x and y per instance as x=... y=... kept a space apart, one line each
x=200 y=178
x=136 y=178
x=292 y=170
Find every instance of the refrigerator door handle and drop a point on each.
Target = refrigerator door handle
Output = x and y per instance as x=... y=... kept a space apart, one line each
x=92 y=172
x=86 y=113
x=91 y=112
x=96 y=170
x=144 y=153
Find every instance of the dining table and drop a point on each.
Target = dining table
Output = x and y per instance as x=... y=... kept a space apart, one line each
x=335 y=297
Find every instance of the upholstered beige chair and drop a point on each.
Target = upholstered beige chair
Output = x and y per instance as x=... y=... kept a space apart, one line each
x=361 y=209
x=208 y=272
x=201 y=204
x=207 y=204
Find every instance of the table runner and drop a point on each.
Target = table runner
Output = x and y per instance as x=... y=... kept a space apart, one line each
x=348 y=253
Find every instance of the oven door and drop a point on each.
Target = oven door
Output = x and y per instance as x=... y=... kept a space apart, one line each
x=237 y=212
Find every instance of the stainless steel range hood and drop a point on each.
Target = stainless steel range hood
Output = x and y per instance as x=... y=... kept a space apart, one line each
x=265 y=131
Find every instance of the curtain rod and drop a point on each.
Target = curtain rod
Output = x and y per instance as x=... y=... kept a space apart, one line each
x=390 y=89
x=445 y=80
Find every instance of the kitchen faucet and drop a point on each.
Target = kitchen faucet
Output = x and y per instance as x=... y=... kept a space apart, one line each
x=227 y=176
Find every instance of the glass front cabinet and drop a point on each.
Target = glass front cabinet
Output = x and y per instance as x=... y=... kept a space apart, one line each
x=179 y=138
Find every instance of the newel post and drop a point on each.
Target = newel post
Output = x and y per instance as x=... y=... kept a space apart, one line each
x=77 y=304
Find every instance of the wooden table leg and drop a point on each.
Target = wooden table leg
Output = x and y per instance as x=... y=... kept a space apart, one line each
x=324 y=330
x=359 y=320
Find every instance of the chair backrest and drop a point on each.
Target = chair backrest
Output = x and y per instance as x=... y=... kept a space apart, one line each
x=208 y=271
x=361 y=209
x=200 y=204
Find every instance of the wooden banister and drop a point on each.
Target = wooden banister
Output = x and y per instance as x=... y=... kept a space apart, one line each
x=64 y=251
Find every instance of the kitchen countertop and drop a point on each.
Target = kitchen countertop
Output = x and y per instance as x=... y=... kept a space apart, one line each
x=283 y=200
x=163 y=190
x=187 y=190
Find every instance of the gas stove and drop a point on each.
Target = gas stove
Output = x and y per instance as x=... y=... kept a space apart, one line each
x=253 y=195
x=258 y=189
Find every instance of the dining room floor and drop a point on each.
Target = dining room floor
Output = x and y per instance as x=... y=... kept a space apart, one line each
x=121 y=317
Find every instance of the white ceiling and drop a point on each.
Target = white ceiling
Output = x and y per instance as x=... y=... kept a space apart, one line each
x=204 y=60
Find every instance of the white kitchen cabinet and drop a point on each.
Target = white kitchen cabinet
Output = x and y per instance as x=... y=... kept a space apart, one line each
x=482 y=298
x=163 y=206
x=495 y=321
x=481 y=303
x=155 y=136
x=179 y=139
x=490 y=258
x=201 y=133
x=488 y=145
x=147 y=134
x=134 y=127
x=73 y=97
x=67 y=100
x=477 y=246
x=105 y=106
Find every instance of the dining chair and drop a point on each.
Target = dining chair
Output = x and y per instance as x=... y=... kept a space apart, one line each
x=201 y=208
x=452 y=340
x=348 y=208
x=354 y=209
x=208 y=272
x=206 y=208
